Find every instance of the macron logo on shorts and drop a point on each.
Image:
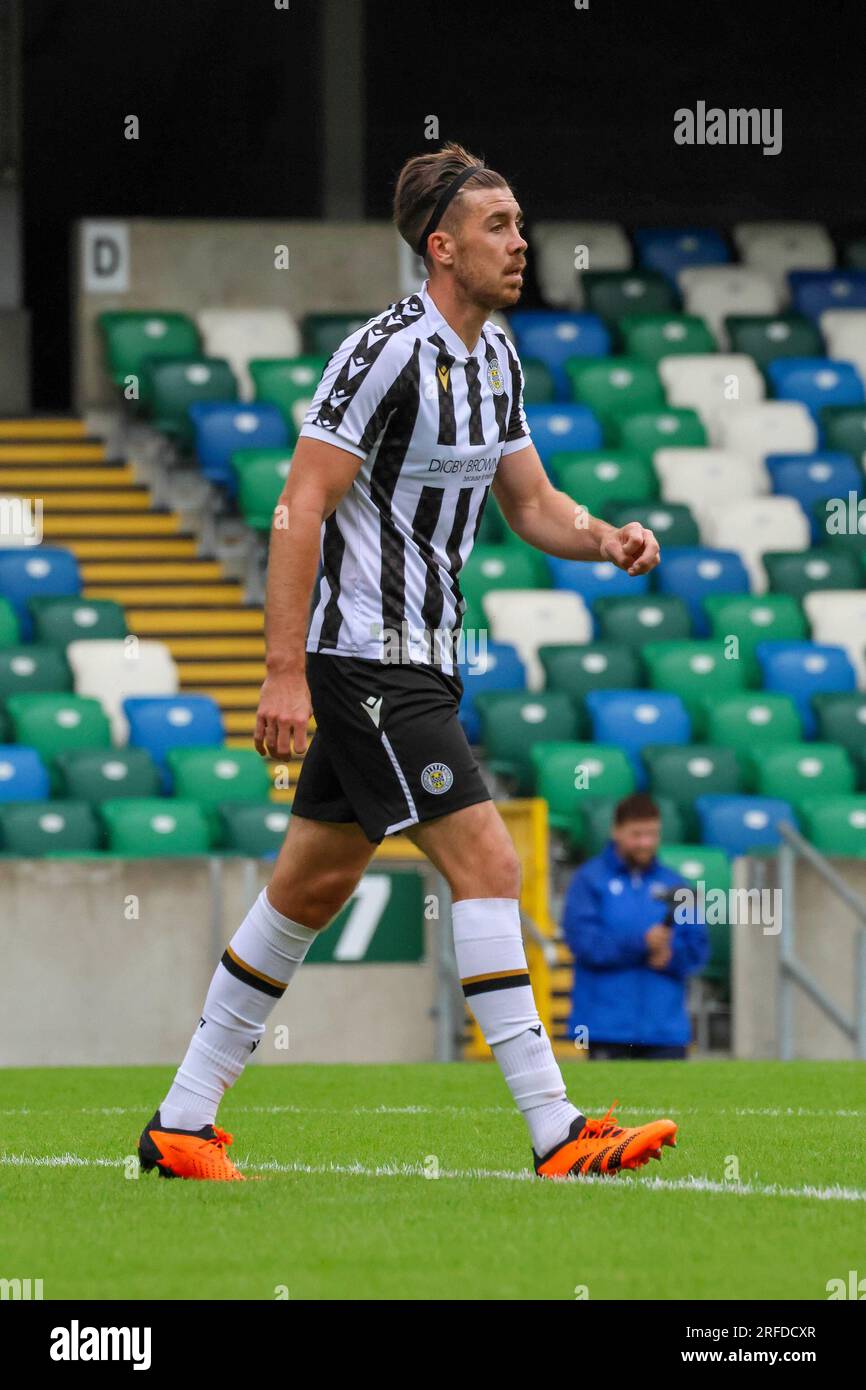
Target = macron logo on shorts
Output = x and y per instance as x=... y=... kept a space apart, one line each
x=372 y=706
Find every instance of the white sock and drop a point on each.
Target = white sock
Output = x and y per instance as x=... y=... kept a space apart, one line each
x=491 y=961
x=253 y=974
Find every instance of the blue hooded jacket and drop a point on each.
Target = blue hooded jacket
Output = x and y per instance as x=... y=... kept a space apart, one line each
x=617 y=997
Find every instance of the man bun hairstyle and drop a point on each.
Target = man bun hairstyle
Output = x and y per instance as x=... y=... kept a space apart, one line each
x=423 y=181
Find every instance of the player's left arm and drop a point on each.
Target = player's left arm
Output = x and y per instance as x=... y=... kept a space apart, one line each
x=553 y=522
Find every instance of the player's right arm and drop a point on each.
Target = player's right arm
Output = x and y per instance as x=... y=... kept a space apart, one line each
x=321 y=473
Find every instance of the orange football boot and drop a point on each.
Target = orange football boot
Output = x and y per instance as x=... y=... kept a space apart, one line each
x=602 y=1146
x=187 y=1153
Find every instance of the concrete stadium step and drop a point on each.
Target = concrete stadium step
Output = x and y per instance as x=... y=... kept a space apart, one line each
x=185 y=547
x=152 y=571
x=156 y=621
x=126 y=499
x=190 y=597
x=193 y=649
x=42 y=427
x=229 y=671
x=116 y=525
x=236 y=697
x=84 y=452
x=115 y=475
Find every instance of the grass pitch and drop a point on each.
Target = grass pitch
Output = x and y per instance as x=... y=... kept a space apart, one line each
x=764 y=1197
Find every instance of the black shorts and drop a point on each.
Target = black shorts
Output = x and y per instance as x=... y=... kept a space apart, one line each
x=389 y=750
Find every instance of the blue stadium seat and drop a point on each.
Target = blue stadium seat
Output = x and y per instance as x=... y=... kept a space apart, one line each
x=693 y=572
x=162 y=722
x=741 y=824
x=634 y=718
x=812 y=477
x=502 y=670
x=804 y=669
x=813 y=291
x=671 y=249
x=23 y=775
x=816 y=381
x=598 y=579
x=559 y=429
x=36 y=572
x=222 y=427
x=552 y=337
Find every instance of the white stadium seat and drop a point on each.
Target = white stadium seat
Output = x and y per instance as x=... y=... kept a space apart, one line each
x=771 y=427
x=528 y=618
x=714 y=291
x=838 y=617
x=710 y=383
x=754 y=525
x=844 y=332
x=553 y=245
x=110 y=669
x=239 y=335
x=708 y=477
x=777 y=247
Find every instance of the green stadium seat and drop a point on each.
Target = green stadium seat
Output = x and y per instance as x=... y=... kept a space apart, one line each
x=739 y=721
x=73 y=619
x=33 y=828
x=539 y=387
x=33 y=667
x=596 y=819
x=753 y=618
x=844 y=428
x=568 y=774
x=149 y=827
x=596 y=477
x=577 y=668
x=842 y=719
x=131 y=337
x=711 y=867
x=216 y=775
x=512 y=565
x=646 y=431
x=654 y=336
x=611 y=385
x=9 y=634
x=767 y=336
x=513 y=720
x=798 y=572
x=682 y=772
x=697 y=671
x=614 y=293
x=837 y=533
x=103 y=774
x=642 y=618
x=795 y=772
x=261 y=475
x=494 y=529
x=855 y=253
x=323 y=333
x=672 y=522
x=254 y=829
x=55 y=723
x=174 y=385
x=288 y=382
x=836 y=824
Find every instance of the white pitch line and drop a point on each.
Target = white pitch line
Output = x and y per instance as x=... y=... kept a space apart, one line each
x=417 y=1170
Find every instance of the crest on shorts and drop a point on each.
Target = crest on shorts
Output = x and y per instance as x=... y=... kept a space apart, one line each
x=494 y=378
x=436 y=778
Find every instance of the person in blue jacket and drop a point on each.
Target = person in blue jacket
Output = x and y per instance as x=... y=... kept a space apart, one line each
x=633 y=946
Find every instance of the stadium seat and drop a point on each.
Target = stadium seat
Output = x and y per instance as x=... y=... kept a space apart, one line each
x=693 y=574
x=771 y=427
x=500 y=670
x=9 y=634
x=23 y=775
x=684 y=772
x=752 y=620
x=260 y=476
x=54 y=723
x=552 y=337
x=539 y=386
x=593 y=666
x=174 y=385
x=64 y=620
x=36 y=572
x=798 y=771
x=322 y=334
x=838 y=618
x=841 y=526
x=704 y=382
x=836 y=825
x=558 y=429
x=570 y=773
x=510 y=566
x=595 y=579
x=754 y=526
x=743 y=824
x=148 y=827
x=32 y=667
x=214 y=775
x=854 y=255
x=289 y=383
x=254 y=830
x=815 y=291
x=221 y=429
x=779 y=247
x=613 y=385
x=799 y=572
x=533 y=618
x=844 y=332
x=556 y=247
x=513 y=721
x=716 y=292
x=635 y=620
x=110 y=670
x=598 y=476
x=841 y=719
x=811 y=478
x=697 y=671
x=237 y=335
x=654 y=336
x=613 y=293
x=815 y=381
x=804 y=669
x=740 y=720
x=631 y=719
x=707 y=479
x=670 y=250
x=593 y=822
x=712 y=869
x=98 y=774
x=843 y=427
x=672 y=522
x=134 y=337
x=160 y=723
x=648 y=430
x=33 y=828
x=765 y=337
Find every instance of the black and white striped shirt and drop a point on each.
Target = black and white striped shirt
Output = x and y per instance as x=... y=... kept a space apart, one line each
x=430 y=421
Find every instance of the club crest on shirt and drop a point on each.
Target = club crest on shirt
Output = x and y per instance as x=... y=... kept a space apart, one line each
x=436 y=778
x=494 y=378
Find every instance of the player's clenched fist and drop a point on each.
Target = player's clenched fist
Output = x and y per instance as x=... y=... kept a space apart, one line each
x=283 y=715
x=633 y=548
